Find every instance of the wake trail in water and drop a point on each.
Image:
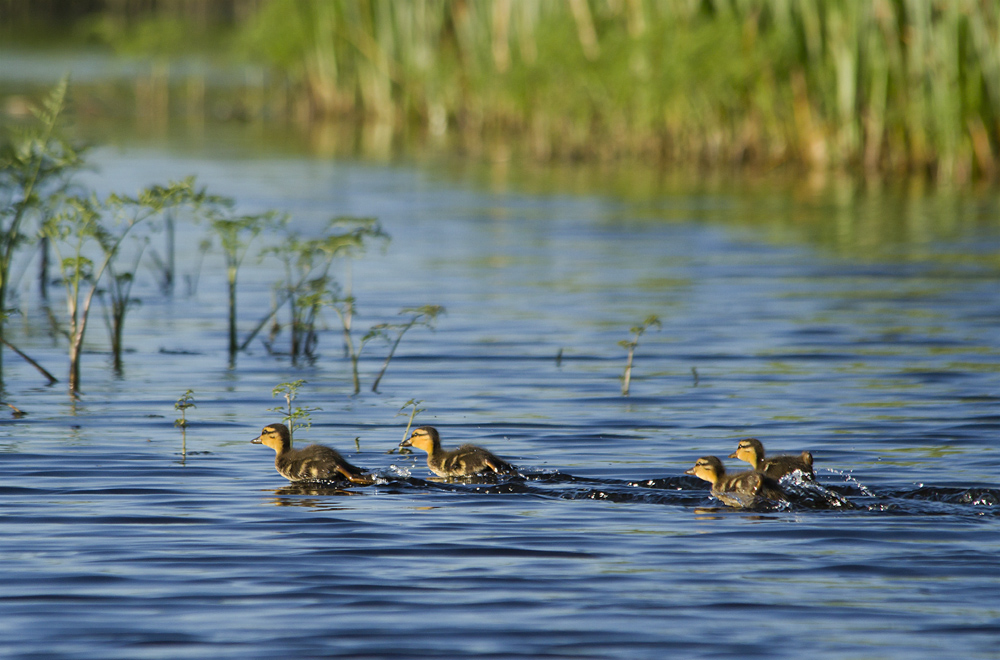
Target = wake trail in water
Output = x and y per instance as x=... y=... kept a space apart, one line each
x=800 y=492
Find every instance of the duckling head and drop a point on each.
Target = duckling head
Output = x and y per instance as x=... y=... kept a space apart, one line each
x=425 y=438
x=275 y=436
x=708 y=468
x=749 y=450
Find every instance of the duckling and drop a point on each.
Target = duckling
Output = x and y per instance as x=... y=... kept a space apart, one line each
x=465 y=461
x=739 y=490
x=752 y=451
x=312 y=463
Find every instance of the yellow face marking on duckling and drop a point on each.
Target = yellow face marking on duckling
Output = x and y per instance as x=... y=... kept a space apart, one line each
x=705 y=469
x=420 y=439
x=749 y=450
x=273 y=436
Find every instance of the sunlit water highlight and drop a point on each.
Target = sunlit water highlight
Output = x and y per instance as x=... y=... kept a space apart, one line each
x=115 y=544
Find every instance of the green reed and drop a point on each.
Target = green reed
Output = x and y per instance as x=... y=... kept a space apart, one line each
x=876 y=86
x=885 y=85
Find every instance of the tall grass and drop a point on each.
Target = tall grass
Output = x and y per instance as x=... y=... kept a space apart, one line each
x=876 y=86
x=883 y=85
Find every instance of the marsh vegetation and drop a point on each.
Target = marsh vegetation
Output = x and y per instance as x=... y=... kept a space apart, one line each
x=99 y=244
x=875 y=87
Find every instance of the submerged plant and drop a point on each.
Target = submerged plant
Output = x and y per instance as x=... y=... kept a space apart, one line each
x=344 y=308
x=235 y=233
x=16 y=412
x=52 y=379
x=119 y=290
x=631 y=344
x=309 y=286
x=35 y=166
x=82 y=223
x=393 y=332
x=164 y=266
x=294 y=418
x=186 y=401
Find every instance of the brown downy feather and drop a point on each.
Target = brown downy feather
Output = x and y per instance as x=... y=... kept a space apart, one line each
x=742 y=489
x=312 y=463
x=465 y=461
x=752 y=451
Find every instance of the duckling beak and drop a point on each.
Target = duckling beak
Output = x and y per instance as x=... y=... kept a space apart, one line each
x=256 y=441
x=405 y=443
x=691 y=471
x=733 y=455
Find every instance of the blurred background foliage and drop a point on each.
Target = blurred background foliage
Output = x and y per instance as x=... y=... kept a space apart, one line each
x=879 y=87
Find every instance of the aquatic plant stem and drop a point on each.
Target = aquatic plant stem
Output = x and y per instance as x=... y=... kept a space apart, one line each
x=409 y=423
x=52 y=379
x=421 y=315
x=344 y=312
x=183 y=403
x=294 y=418
x=235 y=233
x=630 y=346
x=78 y=324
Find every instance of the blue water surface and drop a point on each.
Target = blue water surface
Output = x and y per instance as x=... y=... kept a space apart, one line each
x=782 y=318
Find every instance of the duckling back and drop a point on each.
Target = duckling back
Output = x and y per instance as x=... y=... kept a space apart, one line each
x=465 y=461
x=746 y=489
x=743 y=489
x=319 y=463
x=751 y=450
x=779 y=466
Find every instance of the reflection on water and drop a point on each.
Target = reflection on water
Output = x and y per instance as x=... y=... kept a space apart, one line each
x=861 y=329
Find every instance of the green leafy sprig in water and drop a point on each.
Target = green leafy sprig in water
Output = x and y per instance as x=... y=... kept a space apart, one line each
x=630 y=345
x=297 y=417
x=186 y=401
x=413 y=413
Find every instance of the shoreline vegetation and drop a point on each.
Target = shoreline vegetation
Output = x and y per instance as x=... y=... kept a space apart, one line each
x=880 y=88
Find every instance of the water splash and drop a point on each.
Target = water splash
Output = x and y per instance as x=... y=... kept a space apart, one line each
x=849 y=478
x=393 y=473
x=807 y=492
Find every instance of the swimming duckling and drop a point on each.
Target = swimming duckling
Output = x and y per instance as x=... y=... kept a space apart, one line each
x=739 y=490
x=312 y=463
x=752 y=451
x=465 y=461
